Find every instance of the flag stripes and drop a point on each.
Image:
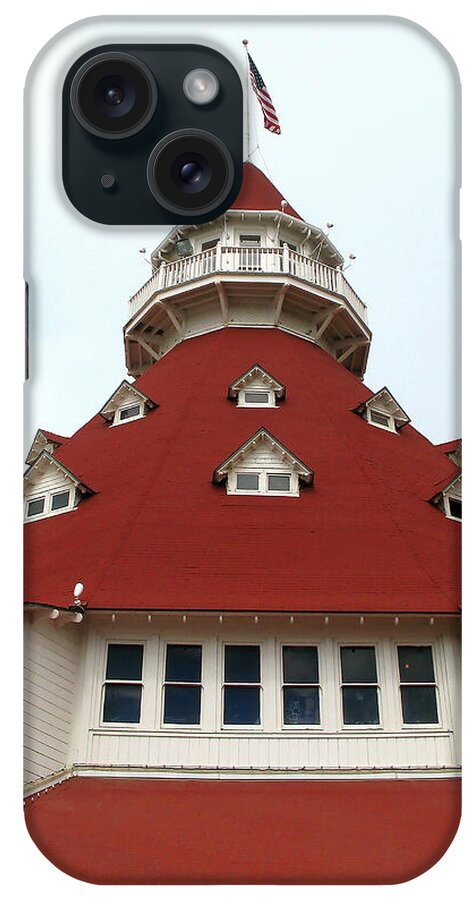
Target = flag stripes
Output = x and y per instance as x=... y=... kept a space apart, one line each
x=271 y=121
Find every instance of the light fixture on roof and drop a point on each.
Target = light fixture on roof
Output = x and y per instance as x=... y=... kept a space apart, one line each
x=329 y=225
x=284 y=204
x=351 y=257
x=183 y=247
x=142 y=250
x=77 y=604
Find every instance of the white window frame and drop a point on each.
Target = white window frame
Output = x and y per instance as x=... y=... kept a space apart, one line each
x=262 y=491
x=174 y=726
x=446 y=503
x=224 y=684
x=391 y=427
x=117 y=415
x=419 y=726
x=122 y=726
x=283 y=684
x=347 y=726
x=47 y=496
x=243 y=402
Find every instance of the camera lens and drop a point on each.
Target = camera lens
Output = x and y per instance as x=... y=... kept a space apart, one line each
x=190 y=172
x=113 y=95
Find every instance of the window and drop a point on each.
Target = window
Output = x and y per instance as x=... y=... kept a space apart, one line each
x=456 y=508
x=35 y=507
x=289 y=244
x=59 y=501
x=247 y=481
x=301 y=704
x=123 y=683
x=359 y=686
x=130 y=412
x=250 y=240
x=263 y=483
x=379 y=419
x=257 y=397
x=52 y=502
x=183 y=689
x=279 y=483
x=242 y=685
x=417 y=686
x=209 y=245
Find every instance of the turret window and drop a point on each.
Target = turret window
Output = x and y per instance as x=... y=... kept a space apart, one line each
x=301 y=700
x=242 y=685
x=183 y=689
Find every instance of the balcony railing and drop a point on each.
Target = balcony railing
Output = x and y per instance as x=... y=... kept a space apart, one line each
x=248 y=260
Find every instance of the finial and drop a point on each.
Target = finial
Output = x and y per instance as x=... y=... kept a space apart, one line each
x=245 y=42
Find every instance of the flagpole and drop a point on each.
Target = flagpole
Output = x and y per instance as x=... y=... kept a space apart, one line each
x=246 y=100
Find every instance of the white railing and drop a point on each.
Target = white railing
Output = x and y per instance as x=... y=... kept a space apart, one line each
x=248 y=260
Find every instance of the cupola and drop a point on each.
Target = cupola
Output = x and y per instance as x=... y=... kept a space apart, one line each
x=259 y=265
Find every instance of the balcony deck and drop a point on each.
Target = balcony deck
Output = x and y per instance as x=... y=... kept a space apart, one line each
x=245 y=261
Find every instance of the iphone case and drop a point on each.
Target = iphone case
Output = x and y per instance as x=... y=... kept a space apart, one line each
x=243 y=483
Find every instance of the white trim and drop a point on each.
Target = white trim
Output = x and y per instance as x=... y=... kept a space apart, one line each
x=391 y=427
x=243 y=402
x=117 y=420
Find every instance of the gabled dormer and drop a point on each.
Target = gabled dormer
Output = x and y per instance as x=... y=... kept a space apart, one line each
x=126 y=404
x=263 y=466
x=51 y=488
x=256 y=387
x=383 y=411
x=44 y=440
x=449 y=498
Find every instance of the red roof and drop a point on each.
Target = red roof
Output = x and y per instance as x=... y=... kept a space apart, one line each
x=130 y=831
x=449 y=446
x=258 y=193
x=157 y=534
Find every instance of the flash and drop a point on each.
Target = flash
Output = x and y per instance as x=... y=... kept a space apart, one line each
x=201 y=86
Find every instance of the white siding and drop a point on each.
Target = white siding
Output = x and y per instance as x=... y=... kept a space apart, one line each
x=52 y=480
x=51 y=664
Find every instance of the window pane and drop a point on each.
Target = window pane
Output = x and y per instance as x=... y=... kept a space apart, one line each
x=419 y=705
x=129 y=412
x=35 y=507
x=456 y=508
x=59 y=501
x=182 y=705
x=256 y=397
x=300 y=665
x=184 y=663
x=358 y=664
x=242 y=664
x=250 y=240
x=124 y=662
x=242 y=706
x=248 y=482
x=301 y=706
x=122 y=702
x=360 y=706
x=416 y=664
x=208 y=245
x=279 y=482
x=379 y=418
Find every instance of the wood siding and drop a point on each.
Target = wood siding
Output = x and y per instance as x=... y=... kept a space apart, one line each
x=51 y=665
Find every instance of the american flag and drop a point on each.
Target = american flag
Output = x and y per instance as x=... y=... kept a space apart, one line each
x=271 y=121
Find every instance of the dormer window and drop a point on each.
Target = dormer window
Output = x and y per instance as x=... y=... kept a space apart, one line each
x=380 y=419
x=131 y=412
x=382 y=411
x=126 y=404
x=449 y=499
x=257 y=388
x=263 y=466
x=51 y=489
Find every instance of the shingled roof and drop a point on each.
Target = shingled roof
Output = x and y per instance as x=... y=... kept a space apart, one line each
x=158 y=534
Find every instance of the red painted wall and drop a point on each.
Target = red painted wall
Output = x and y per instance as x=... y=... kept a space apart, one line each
x=125 y=831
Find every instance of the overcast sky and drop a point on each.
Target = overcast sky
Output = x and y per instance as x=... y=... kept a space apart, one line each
x=369 y=116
